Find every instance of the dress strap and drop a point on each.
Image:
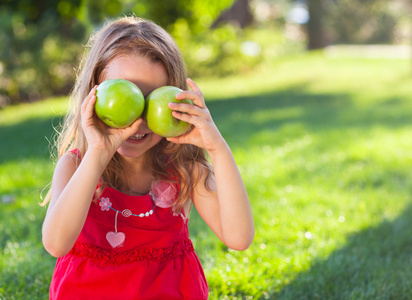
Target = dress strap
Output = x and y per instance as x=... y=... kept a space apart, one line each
x=77 y=152
x=137 y=254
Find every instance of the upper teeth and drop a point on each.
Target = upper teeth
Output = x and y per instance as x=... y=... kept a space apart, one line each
x=137 y=136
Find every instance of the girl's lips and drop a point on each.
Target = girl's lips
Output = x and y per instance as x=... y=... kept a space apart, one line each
x=137 y=138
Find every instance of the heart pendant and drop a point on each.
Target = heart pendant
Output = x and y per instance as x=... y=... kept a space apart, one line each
x=115 y=239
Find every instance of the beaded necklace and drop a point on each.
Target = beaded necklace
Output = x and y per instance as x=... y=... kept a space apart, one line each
x=116 y=239
x=162 y=195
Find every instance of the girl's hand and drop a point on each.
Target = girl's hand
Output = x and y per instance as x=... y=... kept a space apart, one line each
x=204 y=132
x=227 y=212
x=99 y=135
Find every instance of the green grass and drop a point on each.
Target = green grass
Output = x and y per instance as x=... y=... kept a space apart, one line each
x=324 y=146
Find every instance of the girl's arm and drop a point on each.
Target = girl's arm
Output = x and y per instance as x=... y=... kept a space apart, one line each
x=74 y=184
x=227 y=211
x=73 y=187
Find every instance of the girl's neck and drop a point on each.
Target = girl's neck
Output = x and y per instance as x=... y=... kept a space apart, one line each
x=136 y=164
x=137 y=175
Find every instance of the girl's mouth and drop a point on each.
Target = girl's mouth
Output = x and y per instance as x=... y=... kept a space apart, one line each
x=137 y=138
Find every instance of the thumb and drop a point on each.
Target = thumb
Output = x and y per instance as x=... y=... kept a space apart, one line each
x=128 y=131
x=178 y=139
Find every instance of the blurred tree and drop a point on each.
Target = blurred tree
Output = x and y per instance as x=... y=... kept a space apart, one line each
x=362 y=21
x=166 y=13
x=31 y=61
x=98 y=10
x=315 y=24
x=42 y=39
x=239 y=13
x=197 y=14
x=351 y=21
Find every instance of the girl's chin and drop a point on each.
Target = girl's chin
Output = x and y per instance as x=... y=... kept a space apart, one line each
x=130 y=153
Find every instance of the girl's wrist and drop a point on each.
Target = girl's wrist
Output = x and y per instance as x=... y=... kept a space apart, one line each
x=101 y=157
x=220 y=148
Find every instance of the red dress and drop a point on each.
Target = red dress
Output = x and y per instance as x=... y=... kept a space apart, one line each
x=129 y=249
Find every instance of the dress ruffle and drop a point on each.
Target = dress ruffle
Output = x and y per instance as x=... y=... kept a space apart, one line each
x=138 y=254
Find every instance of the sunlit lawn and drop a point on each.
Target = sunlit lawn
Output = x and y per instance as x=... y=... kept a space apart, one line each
x=324 y=146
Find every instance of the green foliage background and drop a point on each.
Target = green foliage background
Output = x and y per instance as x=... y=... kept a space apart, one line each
x=41 y=41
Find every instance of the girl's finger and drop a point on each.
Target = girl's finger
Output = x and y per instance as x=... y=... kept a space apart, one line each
x=125 y=133
x=191 y=119
x=195 y=95
x=128 y=131
x=88 y=98
x=187 y=108
x=89 y=103
x=177 y=140
x=197 y=98
x=193 y=86
x=90 y=106
x=181 y=139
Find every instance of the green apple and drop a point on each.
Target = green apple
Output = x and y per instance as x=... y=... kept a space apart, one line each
x=119 y=102
x=159 y=116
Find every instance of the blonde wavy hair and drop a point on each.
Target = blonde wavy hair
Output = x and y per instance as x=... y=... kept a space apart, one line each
x=124 y=37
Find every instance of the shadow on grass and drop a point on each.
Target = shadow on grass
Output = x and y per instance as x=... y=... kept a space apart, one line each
x=240 y=118
x=375 y=263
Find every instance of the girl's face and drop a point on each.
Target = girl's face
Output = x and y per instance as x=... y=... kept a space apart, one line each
x=148 y=76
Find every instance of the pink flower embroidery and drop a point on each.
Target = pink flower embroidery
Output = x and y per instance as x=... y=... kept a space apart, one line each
x=163 y=193
x=105 y=203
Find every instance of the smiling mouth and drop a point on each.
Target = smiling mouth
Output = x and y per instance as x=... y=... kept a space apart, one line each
x=138 y=136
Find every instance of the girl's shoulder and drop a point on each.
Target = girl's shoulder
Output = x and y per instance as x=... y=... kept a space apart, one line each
x=74 y=156
x=70 y=160
x=202 y=177
x=75 y=152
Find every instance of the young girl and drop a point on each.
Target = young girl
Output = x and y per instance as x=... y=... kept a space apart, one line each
x=120 y=198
